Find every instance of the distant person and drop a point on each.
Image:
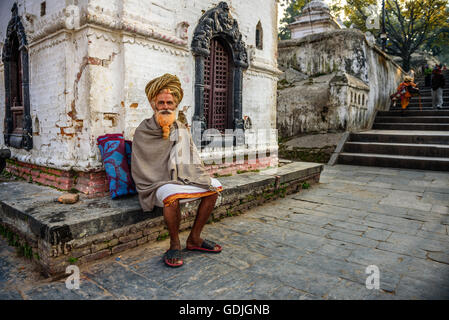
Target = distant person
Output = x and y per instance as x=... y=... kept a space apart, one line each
x=427 y=76
x=438 y=83
x=405 y=91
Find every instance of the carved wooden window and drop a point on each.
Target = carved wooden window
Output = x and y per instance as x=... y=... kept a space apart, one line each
x=216 y=87
x=259 y=36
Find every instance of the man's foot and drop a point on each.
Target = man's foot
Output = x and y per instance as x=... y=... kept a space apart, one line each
x=204 y=245
x=173 y=258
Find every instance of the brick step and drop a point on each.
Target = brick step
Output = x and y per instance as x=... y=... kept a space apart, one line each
x=394 y=161
x=412 y=126
x=401 y=137
x=412 y=113
x=403 y=149
x=412 y=119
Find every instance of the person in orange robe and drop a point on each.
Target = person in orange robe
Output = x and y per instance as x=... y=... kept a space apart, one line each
x=403 y=93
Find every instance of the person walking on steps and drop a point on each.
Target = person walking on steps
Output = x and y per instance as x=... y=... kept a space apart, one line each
x=428 y=76
x=438 y=83
x=404 y=92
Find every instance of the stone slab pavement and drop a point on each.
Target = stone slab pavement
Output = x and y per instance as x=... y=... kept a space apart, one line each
x=316 y=244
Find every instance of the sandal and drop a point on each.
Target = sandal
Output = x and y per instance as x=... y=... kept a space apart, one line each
x=173 y=254
x=207 y=246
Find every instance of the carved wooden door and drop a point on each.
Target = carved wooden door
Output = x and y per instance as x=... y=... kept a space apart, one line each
x=216 y=86
x=16 y=72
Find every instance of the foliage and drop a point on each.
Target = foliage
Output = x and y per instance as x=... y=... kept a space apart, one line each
x=72 y=260
x=293 y=9
x=409 y=24
x=23 y=248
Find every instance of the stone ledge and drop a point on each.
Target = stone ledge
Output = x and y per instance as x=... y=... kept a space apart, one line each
x=92 y=229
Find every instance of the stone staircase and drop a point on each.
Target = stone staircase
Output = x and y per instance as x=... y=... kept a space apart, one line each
x=416 y=139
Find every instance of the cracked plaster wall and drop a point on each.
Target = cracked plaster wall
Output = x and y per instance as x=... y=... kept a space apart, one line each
x=91 y=59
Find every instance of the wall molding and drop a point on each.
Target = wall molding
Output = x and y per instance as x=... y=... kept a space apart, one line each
x=74 y=18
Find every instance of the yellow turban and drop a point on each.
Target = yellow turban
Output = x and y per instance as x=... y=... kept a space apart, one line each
x=167 y=81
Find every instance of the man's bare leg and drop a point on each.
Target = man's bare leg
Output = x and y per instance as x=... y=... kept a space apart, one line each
x=172 y=217
x=204 y=210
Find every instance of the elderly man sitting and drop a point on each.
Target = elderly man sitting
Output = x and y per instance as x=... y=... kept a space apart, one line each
x=164 y=173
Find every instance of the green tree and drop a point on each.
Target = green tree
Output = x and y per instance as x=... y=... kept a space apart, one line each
x=293 y=8
x=438 y=43
x=410 y=24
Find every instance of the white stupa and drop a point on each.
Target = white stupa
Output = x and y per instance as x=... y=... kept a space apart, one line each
x=315 y=17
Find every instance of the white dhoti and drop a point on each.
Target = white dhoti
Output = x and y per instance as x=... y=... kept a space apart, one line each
x=168 y=193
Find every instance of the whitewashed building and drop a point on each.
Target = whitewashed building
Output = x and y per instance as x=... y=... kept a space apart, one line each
x=74 y=70
x=315 y=17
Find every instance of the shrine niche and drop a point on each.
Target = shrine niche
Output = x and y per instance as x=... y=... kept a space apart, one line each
x=18 y=124
x=220 y=58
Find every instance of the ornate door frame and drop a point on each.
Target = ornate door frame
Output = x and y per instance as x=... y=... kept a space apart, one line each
x=218 y=23
x=25 y=138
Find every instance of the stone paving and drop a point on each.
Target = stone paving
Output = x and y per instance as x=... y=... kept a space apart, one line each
x=313 y=245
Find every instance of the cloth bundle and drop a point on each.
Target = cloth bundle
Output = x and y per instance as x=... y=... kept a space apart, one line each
x=116 y=156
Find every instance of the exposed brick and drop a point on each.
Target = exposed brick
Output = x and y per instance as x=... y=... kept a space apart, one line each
x=142 y=241
x=104 y=244
x=64 y=180
x=76 y=253
x=119 y=233
x=130 y=237
x=95 y=256
x=147 y=231
x=46 y=176
x=100 y=246
x=35 y=173
x=107 y=236
x=63 y=186
x=54 y=171
x=113 y=242
x=153 y=236
x=124 y=246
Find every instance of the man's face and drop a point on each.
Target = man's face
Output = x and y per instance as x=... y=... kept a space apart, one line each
x=165 y=111
x=165 y=101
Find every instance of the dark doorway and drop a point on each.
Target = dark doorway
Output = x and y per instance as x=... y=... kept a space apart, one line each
x=16 y=71
x=217 y=86
x=18 y=127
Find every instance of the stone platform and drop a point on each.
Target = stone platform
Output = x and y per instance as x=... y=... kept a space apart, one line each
x=56 y=235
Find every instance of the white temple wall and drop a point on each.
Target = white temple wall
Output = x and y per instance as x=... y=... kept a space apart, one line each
x=91 y=59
